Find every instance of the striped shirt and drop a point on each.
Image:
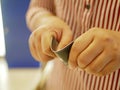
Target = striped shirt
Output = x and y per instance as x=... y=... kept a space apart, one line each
x=81 y=15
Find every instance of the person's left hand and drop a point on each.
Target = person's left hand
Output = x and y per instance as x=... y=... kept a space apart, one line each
x=97 y=51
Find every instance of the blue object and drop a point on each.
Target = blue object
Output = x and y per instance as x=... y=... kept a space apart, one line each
x=17 y=34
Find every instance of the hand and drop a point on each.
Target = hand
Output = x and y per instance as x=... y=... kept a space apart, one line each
x=40 y=39
x=97 y=51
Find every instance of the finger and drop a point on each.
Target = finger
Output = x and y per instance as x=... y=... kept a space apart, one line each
x=46 y=43
x=42 y=57
x=111 y=67
x=99 y=63
x=66 y=38
x=89 y=54
x=33 y=48
x=37 y=42
x=78 y=46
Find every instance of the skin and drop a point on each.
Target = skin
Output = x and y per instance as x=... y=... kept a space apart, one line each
x=97 y=52
x=40 y=39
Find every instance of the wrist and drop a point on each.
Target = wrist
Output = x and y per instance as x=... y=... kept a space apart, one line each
x=47 y=20
x=54 y=22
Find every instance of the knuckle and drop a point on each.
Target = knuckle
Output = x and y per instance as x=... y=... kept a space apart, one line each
x=107 y=38
x=94 y=29
x=37 y=33
x=46 y=52
x=115 y=48
x=34 y=33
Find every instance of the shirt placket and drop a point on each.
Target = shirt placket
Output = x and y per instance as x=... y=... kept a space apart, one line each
x=85 y=19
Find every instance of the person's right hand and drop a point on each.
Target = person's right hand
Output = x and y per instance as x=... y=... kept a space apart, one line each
x=40 y=39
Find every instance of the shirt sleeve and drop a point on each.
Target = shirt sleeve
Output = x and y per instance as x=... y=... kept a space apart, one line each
x=41 y=6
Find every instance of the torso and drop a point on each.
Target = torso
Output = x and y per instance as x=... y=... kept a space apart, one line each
x=81 y=15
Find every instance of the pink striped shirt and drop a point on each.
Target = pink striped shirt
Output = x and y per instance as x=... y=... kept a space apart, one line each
x=81 y=15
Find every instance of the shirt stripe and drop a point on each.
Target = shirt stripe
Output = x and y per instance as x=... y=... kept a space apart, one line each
x=80 y=18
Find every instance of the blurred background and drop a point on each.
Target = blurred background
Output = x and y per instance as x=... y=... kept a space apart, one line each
x=18 y=70
x=16 y=34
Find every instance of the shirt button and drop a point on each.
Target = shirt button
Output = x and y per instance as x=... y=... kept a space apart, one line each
x=87 y=6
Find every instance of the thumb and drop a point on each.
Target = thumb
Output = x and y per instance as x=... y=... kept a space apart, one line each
x=66 y=38
x=46 y=43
